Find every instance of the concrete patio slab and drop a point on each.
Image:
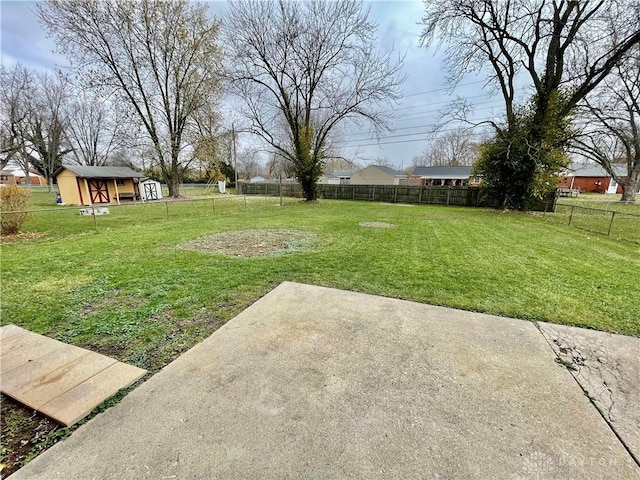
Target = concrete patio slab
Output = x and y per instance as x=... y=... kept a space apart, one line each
x=313 y=382
x=608 y=369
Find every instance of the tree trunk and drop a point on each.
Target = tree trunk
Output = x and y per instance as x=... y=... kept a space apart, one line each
x=309 y=188
x=173 y=184
x=629 y=189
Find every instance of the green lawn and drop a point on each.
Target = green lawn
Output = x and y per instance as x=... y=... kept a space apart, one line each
x=127 y=290
x=601 y=214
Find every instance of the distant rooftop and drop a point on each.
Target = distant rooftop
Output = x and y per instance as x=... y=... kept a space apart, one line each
x=443 y=172
x=593 y=170
x=389 y=170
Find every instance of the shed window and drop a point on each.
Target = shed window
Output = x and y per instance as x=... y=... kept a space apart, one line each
x=120 y=182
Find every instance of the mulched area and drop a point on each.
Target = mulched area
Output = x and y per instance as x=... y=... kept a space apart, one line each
x=252 y=243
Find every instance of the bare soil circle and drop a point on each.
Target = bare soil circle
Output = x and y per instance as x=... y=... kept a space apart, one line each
x=252 y=243
x=377 y=225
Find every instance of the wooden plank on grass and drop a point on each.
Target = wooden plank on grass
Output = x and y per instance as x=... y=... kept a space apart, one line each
x=29 y=373
x=61 y=380
x=25 y=349
x=78 y=402
x=10 y=330
x=18 y=341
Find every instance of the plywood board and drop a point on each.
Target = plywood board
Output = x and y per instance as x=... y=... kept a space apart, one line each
x=62 y=381
x=11 y=330
x=78 y=402
x=25 y=349
x=30 y=373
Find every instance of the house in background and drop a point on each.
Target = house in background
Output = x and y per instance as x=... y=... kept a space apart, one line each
x=378 y=175
x=82 y=185
x=591 y=178
x=337 y=177
x=17 y=177
x=455 y=176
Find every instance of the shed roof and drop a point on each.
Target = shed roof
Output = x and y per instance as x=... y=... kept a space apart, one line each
x=101 y=172
x=443 y=172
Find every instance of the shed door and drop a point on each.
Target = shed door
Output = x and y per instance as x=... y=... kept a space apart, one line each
x=151 y=191
x=98 y=191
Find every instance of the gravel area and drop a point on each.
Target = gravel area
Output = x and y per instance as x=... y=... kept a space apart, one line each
x=252 y=243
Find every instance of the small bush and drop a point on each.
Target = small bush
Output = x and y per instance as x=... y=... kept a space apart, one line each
x=13 y=203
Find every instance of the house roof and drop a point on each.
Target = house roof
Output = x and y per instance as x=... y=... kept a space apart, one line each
x=593 y=170
x=100 y=172
x=342 y=173
x=442 y=172
x=388 y=170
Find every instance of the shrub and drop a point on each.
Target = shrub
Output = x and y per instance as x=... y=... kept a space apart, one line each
x=13 y=203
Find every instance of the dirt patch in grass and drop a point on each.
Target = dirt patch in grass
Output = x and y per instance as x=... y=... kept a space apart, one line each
x=112 y=300
x=25 y=434
x=252 y=243
x=22 y=237
x=377 y=225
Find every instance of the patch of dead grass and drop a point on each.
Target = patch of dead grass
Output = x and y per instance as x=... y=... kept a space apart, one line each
x=251 y=243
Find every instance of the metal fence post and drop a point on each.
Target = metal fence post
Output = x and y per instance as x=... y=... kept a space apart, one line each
x=245 y=203
x=354 y=192
x=213 y=205
x=95 y=221
x=571 y=214
x=613 y=215
x=167 y=209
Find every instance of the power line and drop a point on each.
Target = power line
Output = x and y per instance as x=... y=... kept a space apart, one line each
x=398 y=129
x=408 y=141
x=443 y=89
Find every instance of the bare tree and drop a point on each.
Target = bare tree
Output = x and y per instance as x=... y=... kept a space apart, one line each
x=304 y=67
x=451 y=149
x=159 y=57
x=44 y=142
x=93 y=131
x=249 y=164
x=562 y=48
x=332 y=164
x=279 y=167
x=612 y=132
x=17 y=89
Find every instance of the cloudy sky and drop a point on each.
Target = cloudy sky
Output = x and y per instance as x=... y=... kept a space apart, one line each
x=425 y=93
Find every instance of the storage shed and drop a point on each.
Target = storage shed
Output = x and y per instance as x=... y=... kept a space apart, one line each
x=82 y=185
x=150 y=190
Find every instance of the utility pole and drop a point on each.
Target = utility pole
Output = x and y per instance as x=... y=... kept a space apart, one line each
x=235 y=157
